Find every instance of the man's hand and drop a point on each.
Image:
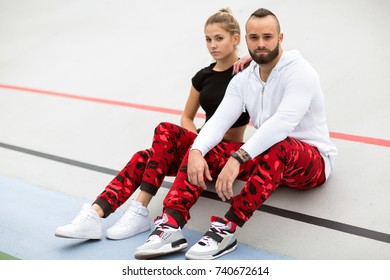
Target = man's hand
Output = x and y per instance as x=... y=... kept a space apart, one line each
x=226 y=178
x=197 y=169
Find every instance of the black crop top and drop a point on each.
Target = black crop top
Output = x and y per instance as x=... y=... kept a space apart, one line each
x=212 y=86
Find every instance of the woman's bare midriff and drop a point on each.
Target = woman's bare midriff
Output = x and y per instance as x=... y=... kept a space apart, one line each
x=235 y=134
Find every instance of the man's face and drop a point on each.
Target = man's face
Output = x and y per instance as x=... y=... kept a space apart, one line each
x=263 y=39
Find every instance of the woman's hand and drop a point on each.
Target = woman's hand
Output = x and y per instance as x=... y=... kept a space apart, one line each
x=241 y=64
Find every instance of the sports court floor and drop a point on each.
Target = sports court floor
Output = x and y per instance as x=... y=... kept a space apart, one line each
x=84 y=83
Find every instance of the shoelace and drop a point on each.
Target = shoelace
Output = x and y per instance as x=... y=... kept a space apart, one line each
x=159 y=225
x=127 y=217
x=206 y=241
x=214 y=234
x=219 y=228
x=81 y=217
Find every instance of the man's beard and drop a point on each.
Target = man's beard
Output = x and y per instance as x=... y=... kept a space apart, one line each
x=265 y=59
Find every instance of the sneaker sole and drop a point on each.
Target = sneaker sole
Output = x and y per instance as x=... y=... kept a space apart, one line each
x=145 y=254
x=78 y=236
x=127 y=235
x=194 y=256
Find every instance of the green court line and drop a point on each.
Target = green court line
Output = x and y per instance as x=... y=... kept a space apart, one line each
x=4 y=256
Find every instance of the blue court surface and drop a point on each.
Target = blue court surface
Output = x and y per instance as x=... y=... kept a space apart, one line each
x=30 y=214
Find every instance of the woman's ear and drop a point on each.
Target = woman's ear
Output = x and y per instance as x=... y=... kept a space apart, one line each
x=236 y=39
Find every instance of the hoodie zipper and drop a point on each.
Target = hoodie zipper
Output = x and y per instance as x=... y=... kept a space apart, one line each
x=262 y=101
x=270 y=77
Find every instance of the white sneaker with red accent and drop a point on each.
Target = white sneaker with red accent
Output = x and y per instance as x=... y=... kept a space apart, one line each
x=216 y=242
x=167 y=238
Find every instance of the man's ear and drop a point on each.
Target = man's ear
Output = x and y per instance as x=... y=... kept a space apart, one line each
x=281 y=35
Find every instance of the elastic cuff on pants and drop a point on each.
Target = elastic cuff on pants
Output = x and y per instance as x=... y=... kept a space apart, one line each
x=231 y=216
x=107 y=208
x=149 y=188
x=177 y=216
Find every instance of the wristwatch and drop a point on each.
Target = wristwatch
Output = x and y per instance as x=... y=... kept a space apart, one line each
x=237 y=157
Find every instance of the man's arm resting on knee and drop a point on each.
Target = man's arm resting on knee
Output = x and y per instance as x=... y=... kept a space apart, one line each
x=198 y=169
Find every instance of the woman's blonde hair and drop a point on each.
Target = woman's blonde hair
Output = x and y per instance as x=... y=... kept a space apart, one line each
x=227 y=21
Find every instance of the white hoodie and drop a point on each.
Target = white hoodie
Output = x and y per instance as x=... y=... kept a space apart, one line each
x=290 y=103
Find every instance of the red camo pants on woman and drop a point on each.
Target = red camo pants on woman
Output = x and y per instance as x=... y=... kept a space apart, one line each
x=291 y=163
x=148 y=168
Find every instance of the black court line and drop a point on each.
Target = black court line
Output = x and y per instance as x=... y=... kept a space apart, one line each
x=362 y=232
x=60 y=159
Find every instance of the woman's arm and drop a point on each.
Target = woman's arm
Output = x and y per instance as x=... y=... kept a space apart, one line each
x=190 y=110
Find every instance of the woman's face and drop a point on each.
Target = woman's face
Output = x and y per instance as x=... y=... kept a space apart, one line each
x=220 y=43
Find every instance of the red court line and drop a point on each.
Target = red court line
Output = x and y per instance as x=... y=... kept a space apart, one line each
x=335 y=135
x=361 y=139
x=99 y=100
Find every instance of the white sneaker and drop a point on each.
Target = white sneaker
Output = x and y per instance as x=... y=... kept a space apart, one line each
x=218 y=241
x=134 y=221
x=86 y=225
x=165 y=239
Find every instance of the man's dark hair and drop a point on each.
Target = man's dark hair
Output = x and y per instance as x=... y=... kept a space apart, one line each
x=260 y=13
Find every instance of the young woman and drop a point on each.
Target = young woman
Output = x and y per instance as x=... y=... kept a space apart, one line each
x=149 y=167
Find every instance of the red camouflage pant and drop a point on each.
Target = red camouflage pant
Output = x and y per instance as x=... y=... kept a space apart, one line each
x=291 y=163
x=149 y=167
